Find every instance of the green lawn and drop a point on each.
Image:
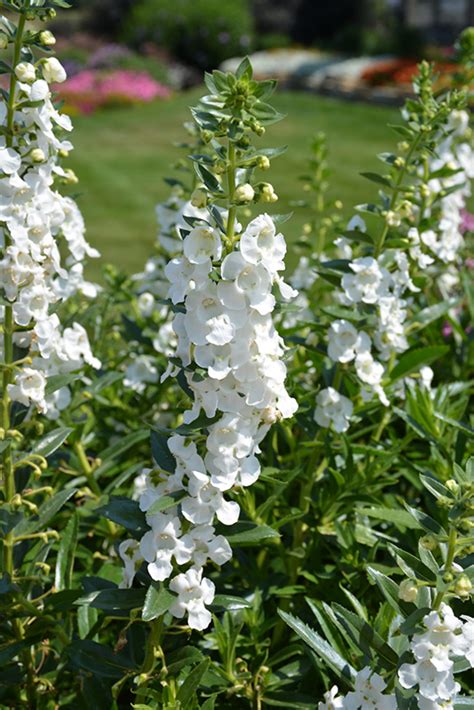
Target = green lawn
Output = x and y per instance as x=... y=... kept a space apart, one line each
x=122 y=156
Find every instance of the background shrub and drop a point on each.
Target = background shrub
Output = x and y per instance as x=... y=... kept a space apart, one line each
x=200 y=32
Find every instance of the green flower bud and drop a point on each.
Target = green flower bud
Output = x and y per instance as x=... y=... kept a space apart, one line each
x=199 y=198
x=452 y=486
x=47 y=38
x=408 y=591
x=463 y=586
x=429 y=542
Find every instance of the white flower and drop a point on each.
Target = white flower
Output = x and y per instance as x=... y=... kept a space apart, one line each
x=332 y=701
x=202 y=244
x=368 y=693
x=368 y=370
x=10 y=161
x=194 y=593
x=159 y=544
x=129 y=551
x=53 y=70
x=29 y=388
x=260 y=244
x=146 y=304
x=333 y=409
x=368 y=282
x=25 y=71
x=140 y=373
x=345 y=342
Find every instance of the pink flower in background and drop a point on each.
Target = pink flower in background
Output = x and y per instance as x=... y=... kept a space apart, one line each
x=467 y=224
x=447 y=329
x=92 y=89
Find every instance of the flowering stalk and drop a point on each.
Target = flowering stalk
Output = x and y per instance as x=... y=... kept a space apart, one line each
x=385 y=284
x=35 y=219
x=228 y=355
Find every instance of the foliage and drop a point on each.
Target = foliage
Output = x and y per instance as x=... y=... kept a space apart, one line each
x=202 y=33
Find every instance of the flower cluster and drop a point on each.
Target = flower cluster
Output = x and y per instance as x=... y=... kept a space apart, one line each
x=368 y=693
x=421 y=238
x=445 y=639
x=92 y=89
x=37 y=220
x=232 y=358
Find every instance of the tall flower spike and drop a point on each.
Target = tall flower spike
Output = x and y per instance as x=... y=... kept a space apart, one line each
x=222 y=287
x=37 y=221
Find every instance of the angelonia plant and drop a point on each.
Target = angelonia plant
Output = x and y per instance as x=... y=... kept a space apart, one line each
x=410 y=239
x=265 y=554
x=229 y=357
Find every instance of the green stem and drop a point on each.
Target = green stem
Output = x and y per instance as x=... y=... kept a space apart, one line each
x=396 y=190
x=87 y=468
x=452 y=541
x=153 y=644
x=231 y=170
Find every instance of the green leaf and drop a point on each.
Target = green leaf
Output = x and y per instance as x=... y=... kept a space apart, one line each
x=375 y=177
x=52 y=441
x=338 y=664
x=426 y=522
x=209 y=180
x=435 y=487
x=113 y=599
x=162 y=456
x=432 y=313
x=157 y=603
x=165 y=502
x=366 y=637
x=125 y=512
x=244 y=70
x=46 y=511
x=66 y=553
x=391 y=515
x=387 y=586
x=229 y=603
x=462 y=426
x=411 y=565
x=191 y=684
x=414 y=359
x=56 y=382
x=119 y=448
x=249 y=534
x=98 y=659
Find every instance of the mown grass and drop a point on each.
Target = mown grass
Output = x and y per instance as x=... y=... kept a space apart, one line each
x=122 y=156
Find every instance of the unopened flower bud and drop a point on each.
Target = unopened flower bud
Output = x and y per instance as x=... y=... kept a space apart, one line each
x=199 y=198
x=47 y=38
x=263 y=162
x=52 y=13
x=451 y=165
x=463 y=586
x=270 y=415
x=399 y=162
x=63 y=153
x=37 y=155
x=267 y=193
x=206 y=136
x=25 y=72
x=70 y=177
x=146 y=304
x=306 y=228
x=3 y=40
x=392 y=218
x=408 y=591
x=403 y=146
x=429 y=542
x=452 y=486
x=244 y=193
x=338 y=205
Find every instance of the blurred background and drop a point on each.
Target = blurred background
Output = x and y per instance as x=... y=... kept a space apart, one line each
x=135 y=66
